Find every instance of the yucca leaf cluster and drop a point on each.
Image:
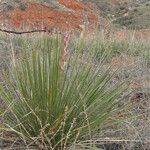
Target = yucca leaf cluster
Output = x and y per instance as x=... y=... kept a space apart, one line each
x=52 y=107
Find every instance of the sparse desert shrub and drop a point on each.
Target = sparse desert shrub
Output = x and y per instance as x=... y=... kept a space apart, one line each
x=124 y=21
x=54 y=109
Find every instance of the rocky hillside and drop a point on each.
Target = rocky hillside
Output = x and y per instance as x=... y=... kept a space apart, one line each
x=129 y=14
x=74 y=14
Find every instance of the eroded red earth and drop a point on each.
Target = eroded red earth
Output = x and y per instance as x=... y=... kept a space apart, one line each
x=38 y=16
x=77 y=15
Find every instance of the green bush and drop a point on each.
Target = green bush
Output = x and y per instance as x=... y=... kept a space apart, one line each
x=53 y=108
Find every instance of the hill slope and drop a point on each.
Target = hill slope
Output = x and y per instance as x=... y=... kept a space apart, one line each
x=130 y=14
x=58 y=14
x=72 y=14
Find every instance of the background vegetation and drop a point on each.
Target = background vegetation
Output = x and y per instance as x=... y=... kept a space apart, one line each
x=129 y=14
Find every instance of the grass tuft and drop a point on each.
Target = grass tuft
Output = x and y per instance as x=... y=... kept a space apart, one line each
x=53 y=108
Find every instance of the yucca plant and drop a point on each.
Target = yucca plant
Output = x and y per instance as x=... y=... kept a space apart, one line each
x=54 y=108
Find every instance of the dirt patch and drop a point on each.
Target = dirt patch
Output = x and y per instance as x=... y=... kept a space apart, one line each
x=75 y=5
x=38 y=16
